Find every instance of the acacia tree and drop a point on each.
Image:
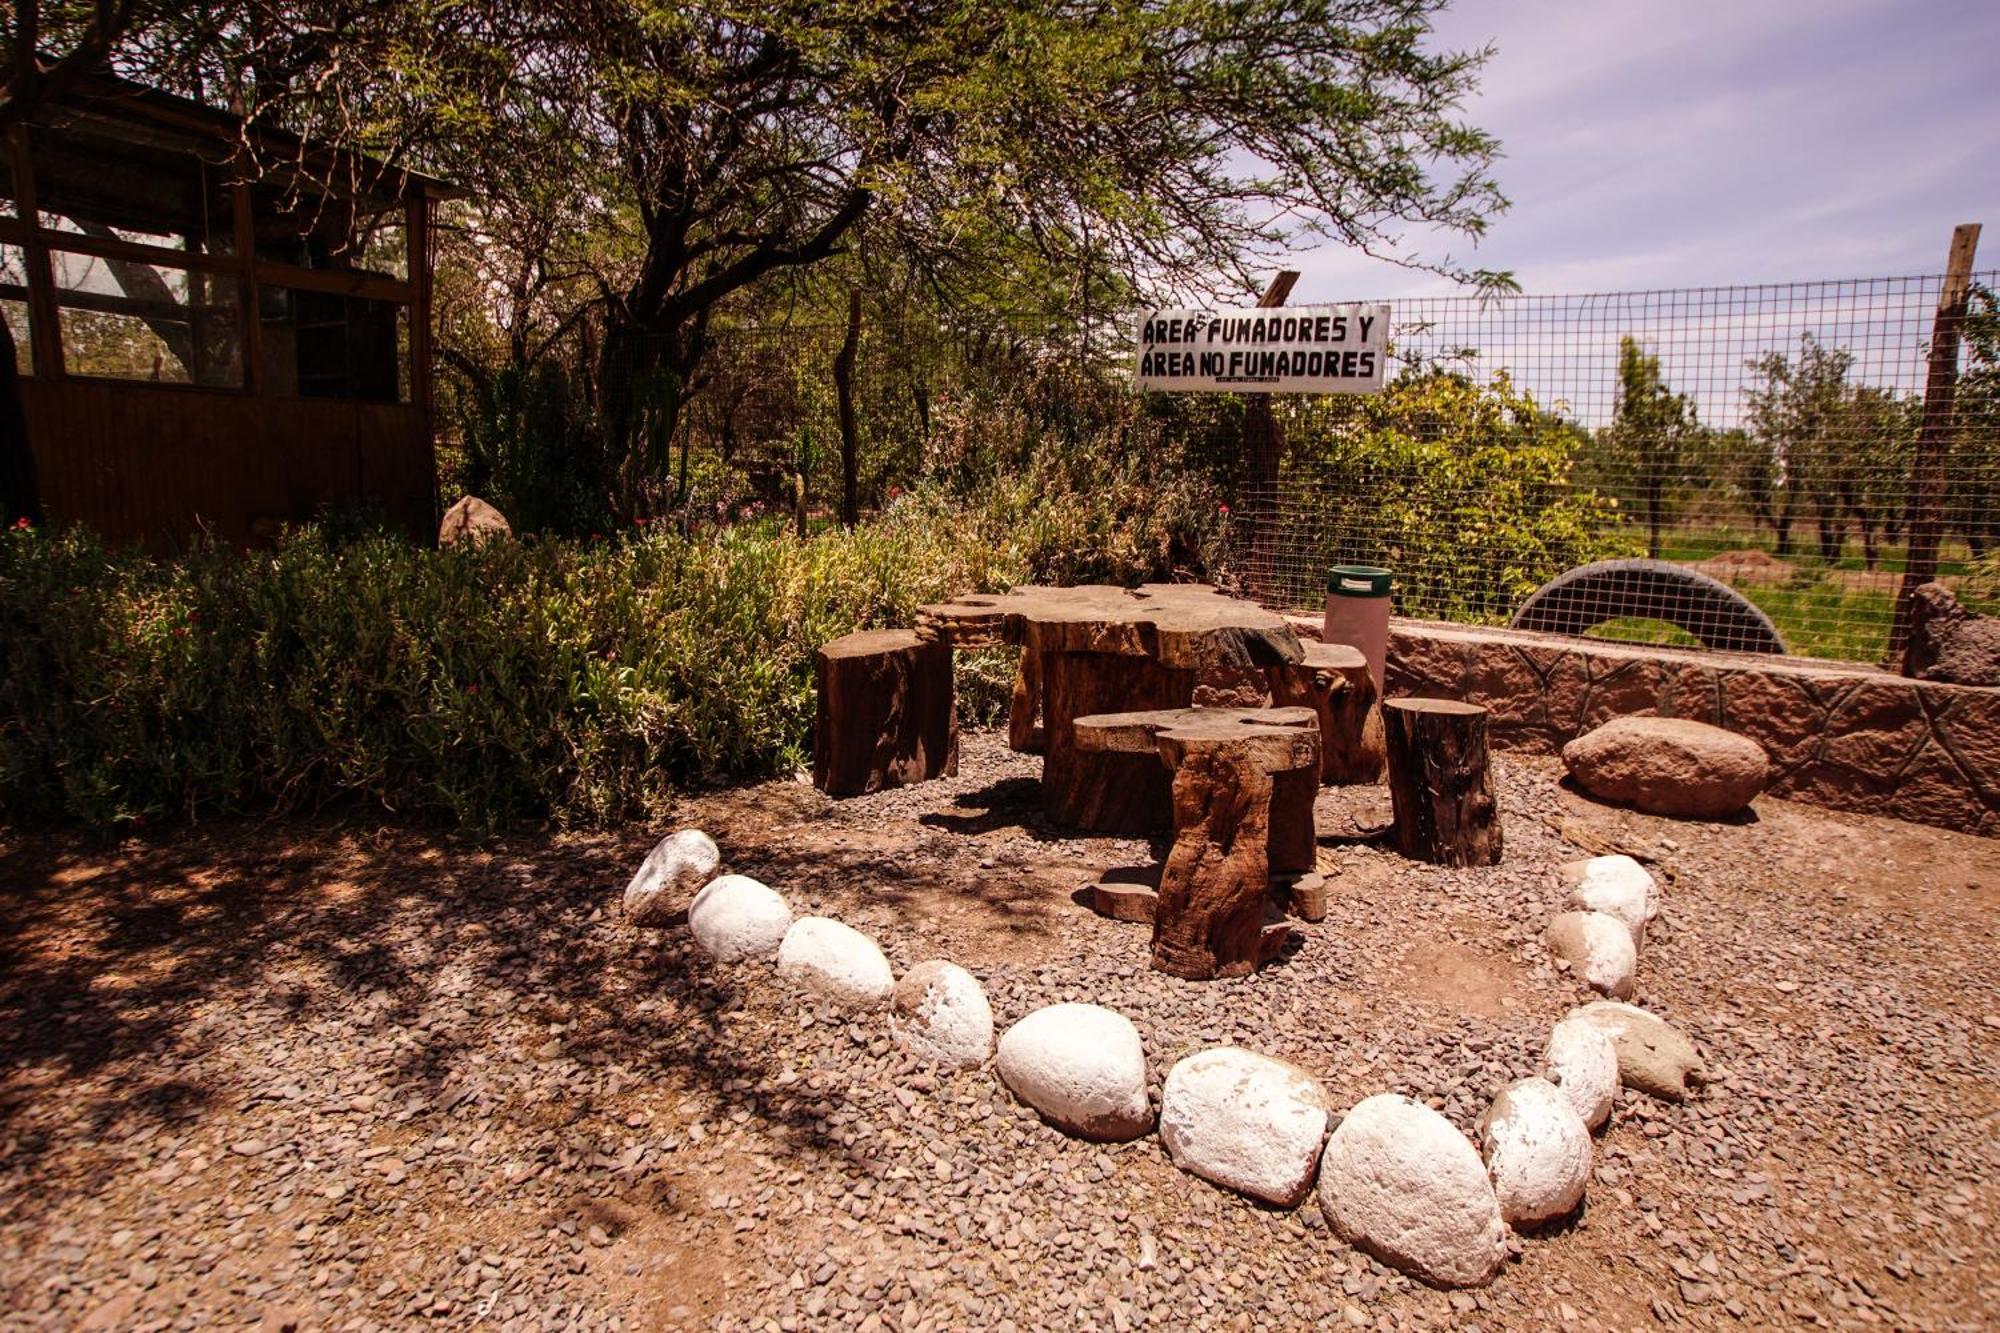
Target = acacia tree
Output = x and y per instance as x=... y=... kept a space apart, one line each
x=1179 y=141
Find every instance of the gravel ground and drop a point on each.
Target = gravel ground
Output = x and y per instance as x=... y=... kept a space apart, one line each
x=309 y=1075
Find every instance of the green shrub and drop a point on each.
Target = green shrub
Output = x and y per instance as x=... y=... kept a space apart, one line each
x=515 y=680
x=1466 y=490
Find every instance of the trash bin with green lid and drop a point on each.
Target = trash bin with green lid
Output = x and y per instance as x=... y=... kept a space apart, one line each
x=1357 y=613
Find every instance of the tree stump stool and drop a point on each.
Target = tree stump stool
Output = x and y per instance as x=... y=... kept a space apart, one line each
x=1094 y=649
x=887 y=712
x=1243 y=782
x=1334 y=681
x=1439 y=783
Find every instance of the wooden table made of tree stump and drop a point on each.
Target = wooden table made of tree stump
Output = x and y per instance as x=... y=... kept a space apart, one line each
x=1100 y=649
x=1243 y=783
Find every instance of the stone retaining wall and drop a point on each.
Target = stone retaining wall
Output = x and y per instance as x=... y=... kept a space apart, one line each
x=1844 y=736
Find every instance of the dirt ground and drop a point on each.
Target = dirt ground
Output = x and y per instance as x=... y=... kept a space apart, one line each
x=320 y=1075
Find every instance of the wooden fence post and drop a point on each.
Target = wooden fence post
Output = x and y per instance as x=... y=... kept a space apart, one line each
x=1263 y=448
x=1936 y=436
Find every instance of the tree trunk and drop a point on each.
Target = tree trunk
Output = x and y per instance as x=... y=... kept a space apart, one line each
x=1105 y=793
x=850 y=444
x=1334 y=681
x=20 y=489
x=886 y=712
x=1439 y=783
x=1210 y=916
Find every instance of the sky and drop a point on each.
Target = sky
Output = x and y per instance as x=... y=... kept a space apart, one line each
x=1709 y=142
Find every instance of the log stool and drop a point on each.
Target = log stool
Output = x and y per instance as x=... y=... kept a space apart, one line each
x=887 y=712
x=1334 y=681
x=1439 y=783
x=1243 y=783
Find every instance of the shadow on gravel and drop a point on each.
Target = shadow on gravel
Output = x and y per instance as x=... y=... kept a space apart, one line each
x=128 y=973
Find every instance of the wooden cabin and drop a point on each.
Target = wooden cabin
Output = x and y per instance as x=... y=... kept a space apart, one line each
x=216 y=328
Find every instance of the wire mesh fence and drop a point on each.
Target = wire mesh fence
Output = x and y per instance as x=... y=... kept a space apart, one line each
x=1760 y=443
x=1737 y=467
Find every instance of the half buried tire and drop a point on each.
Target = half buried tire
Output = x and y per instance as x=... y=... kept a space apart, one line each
x=1589 y=595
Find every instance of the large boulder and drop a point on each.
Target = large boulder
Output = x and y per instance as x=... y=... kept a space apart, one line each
x=1583 y=1064
x=835 y=960
x=1397 y=1180
x=672 y=872
x=939 y=1012
x=472 y=520
x=1537 y=1152
x=1669 y=766
x=1948 y=642
x=1653 y=1056
x=1616 y=886
x=1083 y=1067
x=1244 y=1121
x=736 y=917
x=1598 y=948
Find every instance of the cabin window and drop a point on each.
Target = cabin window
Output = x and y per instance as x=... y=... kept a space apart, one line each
x=89 y=184
x=121 y=319
x=326 y=345
x=14 y=305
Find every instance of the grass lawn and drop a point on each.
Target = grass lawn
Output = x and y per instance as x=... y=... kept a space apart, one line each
x=1817 y=619
x=1819 y=613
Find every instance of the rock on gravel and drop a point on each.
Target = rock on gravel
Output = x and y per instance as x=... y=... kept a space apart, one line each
x=736 y=917
x=1400 y=1182
x=1537 y=1152
x=1653 y=1056
x=1616 y=886
x=834 y=959
x=1082 y=1067
x=940 y=1013
x=1583 y=1065
x=1669 y=766
x=676 y=868
x=1244 y=1121
x=1599 y=948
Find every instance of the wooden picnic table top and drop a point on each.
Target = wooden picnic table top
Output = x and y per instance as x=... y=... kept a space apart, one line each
x=1184 y=626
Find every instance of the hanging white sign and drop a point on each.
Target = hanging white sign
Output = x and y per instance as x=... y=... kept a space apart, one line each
x=1297 y=349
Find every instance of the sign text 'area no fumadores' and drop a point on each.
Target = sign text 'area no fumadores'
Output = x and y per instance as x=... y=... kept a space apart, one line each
x=1300 y=349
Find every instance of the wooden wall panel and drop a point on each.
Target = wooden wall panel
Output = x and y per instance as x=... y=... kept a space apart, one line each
x=150 y=463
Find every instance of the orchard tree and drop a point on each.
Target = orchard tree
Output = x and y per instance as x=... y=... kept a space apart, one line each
x=1655 y=450
x=1800 y=423
x=1973 y=465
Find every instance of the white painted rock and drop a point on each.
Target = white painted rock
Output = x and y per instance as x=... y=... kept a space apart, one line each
x=1616 y=886
x=1583 y=1065
x=835 y=960
x=1653 y=1056
x=1400 y=1182
x=940 y=1013
x=1082 y=1066
x=1537 y=1152
x=736 y=917
x=678 y=865
x=1598 y=948
x=1244 y=1121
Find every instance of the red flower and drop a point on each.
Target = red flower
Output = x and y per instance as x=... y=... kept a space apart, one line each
x=1222 y=510
x=21 y=524
x=640 y=521
x=472 y=689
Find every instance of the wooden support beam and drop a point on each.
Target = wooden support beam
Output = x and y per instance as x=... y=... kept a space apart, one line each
x=1936 y=435
x=44 y=326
